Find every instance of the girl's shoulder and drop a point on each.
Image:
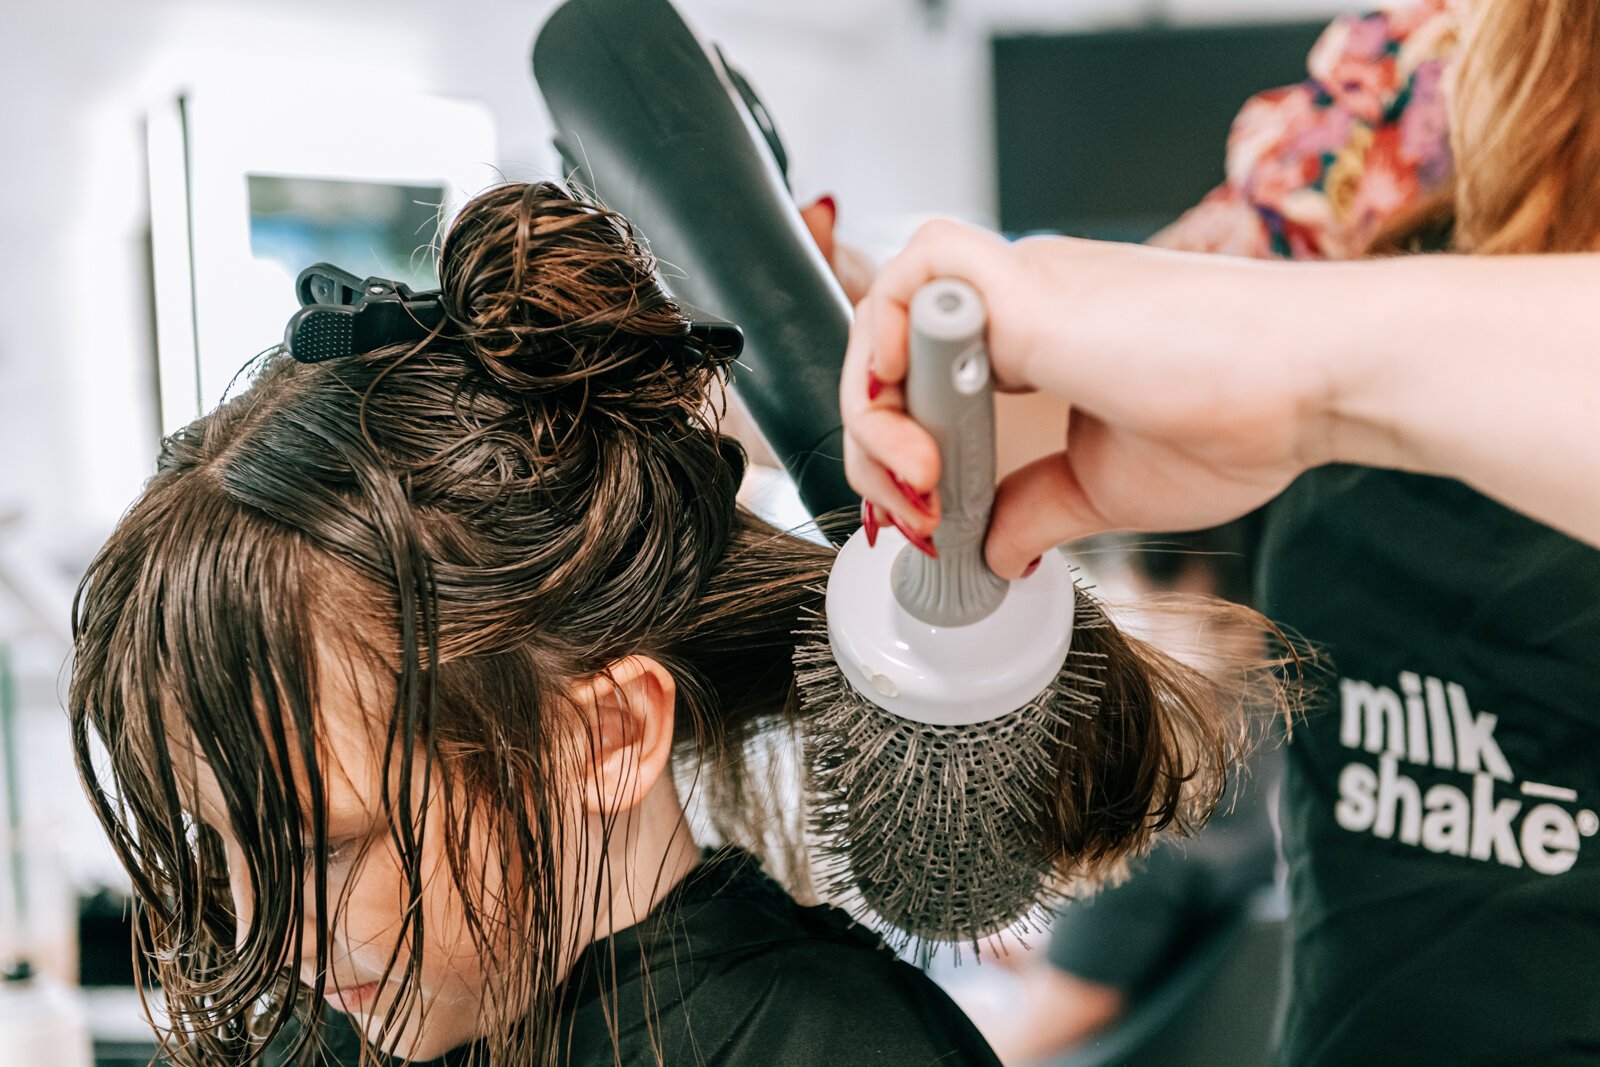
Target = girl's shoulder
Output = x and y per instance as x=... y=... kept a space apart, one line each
x=825 y=1000
x=732 y=970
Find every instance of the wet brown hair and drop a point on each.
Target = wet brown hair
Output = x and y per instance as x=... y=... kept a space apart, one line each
x=516 y=503
x=534 y=492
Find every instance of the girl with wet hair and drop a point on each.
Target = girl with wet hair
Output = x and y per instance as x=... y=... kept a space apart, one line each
x=401 y=658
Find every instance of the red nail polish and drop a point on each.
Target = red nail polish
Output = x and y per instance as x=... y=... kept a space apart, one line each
x=833 y=208
x=923 y=502
x=923 y=544
x=1027 y=572
x=869 y=522
x=874 y=386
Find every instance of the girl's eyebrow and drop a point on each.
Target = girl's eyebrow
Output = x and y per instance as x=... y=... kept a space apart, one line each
x=347 y=815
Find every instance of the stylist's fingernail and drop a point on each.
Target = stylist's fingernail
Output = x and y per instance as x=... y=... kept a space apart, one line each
x=924 y=544
x=826 y=199
x=869 y=522
x=874 y=386
x=923 y=502
x=1027 y=572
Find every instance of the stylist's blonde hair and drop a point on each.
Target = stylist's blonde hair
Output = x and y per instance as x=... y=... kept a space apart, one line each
x=1525 y=127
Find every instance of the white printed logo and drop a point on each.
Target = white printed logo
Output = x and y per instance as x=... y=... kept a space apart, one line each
x=1429 y=723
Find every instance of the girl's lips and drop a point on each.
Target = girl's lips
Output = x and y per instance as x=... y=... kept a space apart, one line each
x=351 y=999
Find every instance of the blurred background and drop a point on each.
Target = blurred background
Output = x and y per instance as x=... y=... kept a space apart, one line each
x=175 y=162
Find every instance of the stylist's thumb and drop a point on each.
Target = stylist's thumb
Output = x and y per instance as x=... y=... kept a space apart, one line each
x=1037 y=508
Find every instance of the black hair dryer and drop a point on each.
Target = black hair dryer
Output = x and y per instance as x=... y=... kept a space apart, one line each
x=667 y=133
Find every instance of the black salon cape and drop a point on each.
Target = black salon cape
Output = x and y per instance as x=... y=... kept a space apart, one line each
x=729 y=971
x=742 y=976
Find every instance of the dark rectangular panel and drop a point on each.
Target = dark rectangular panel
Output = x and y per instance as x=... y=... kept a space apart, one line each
x=1115 y=134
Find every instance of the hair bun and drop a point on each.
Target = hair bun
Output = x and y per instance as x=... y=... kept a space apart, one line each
x=556 y=295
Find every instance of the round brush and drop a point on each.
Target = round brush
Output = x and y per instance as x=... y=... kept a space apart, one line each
x=937 y=705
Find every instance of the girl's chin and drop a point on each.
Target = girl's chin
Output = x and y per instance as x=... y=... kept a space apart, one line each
x=417 y=1039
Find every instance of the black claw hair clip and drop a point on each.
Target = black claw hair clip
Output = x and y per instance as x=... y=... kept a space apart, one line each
x=341 y=315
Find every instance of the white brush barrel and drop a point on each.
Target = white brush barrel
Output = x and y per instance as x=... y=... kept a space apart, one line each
x=946 y=675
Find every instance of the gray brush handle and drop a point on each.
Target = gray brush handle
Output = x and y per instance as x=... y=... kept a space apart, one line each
x=950 y=393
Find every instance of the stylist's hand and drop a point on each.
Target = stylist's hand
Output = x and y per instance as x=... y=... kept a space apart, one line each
x=850 y=265
x=1157 y=439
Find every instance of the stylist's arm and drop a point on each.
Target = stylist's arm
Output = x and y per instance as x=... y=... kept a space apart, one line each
x=1201 y=386
x=1153 y=441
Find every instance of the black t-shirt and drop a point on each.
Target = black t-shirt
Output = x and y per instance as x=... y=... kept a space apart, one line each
x=1439 y=809
x=729 y=971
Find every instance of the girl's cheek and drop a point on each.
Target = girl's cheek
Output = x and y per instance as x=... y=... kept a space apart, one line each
x=239 y=887
x=371 y=896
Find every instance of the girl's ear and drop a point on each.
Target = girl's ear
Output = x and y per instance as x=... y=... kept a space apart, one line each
x=629 y=709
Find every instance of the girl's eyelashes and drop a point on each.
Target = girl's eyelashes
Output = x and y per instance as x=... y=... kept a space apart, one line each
x=340 y=850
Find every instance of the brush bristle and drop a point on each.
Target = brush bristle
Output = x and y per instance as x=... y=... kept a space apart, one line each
x=944 y=834
x=948 y=835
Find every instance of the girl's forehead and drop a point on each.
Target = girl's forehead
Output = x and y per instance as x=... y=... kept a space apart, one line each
x=351 y=705
x=353 y=698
